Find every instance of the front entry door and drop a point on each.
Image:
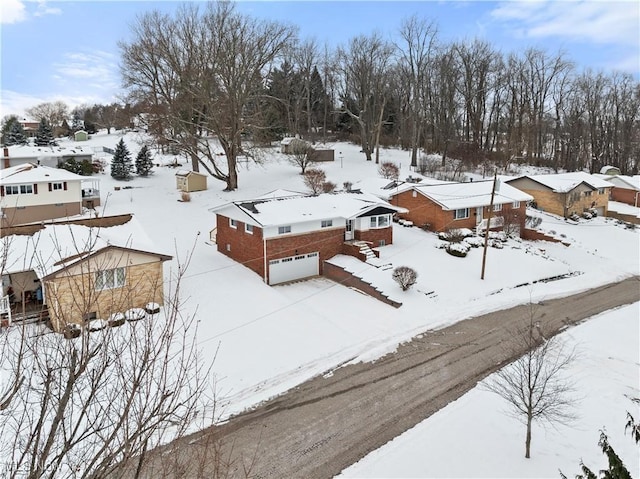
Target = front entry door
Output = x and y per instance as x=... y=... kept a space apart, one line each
x=479 y=211
x=348 y=233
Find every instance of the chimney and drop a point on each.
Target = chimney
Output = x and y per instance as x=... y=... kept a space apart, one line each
x=6 y=157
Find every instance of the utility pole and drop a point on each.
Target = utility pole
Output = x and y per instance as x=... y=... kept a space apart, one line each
x=486 y=233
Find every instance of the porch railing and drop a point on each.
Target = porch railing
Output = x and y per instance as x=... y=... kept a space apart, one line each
x=5 y=309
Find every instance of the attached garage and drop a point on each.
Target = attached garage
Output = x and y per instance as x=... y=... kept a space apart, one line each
x=294 y=267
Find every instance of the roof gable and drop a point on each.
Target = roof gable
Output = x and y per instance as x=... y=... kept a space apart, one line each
x=32 y=173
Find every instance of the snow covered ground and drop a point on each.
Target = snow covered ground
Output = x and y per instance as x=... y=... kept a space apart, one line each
x=474 y=436
x=269 y=339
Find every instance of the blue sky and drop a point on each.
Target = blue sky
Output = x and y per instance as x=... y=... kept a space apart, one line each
x=55 y=50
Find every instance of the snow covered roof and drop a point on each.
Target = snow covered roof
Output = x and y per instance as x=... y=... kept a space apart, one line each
x=564 y=182
x=32 y=173
x=385 y=188
x=622 y=181
x=290 y=210
x=25 y=151
x=59 y=246
x=279 y=194
x=606 y=168
x=454 y=196
x=183 y=172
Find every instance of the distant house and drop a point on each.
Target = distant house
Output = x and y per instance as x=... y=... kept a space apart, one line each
x=83 y=273
x=626 y=189
x=30 y=127
x=446 y=205
x=292 y=145
x=289 y=238
x=610 y=170
x=81 y=135
x=187 y=180
x=565 y=194
x=43 y=155
x=30 y=192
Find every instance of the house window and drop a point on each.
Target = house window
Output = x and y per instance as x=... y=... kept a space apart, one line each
x=516 y=205
x=380 y=221
x=381 y=242
x=12 y=190
x=326 y=223
x=233 y=223
x=110 y=279
x=601 y=191
x=587 y=193
x=26 y=189
x=284 y=229
x=57 y=186
x=497 y=207
x=461 y=214
x=248 y=228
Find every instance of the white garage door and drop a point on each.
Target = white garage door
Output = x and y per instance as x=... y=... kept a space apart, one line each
x=294 y=267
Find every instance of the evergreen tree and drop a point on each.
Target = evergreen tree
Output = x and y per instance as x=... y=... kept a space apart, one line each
x=144 y=163
x=121 y=164
x=44 y=135
x=16 y=135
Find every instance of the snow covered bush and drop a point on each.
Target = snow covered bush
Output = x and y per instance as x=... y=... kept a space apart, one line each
x=474 y=241
x=389 y=170
x=405 y=277
x=459 y=250
x=455 y=235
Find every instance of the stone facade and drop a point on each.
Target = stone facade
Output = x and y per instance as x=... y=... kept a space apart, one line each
x=72 y=297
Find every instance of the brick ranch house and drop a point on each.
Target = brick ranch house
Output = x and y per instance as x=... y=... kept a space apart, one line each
x=288 y=238
x=77 y=273
x=626 y=189
x=564 y=194
x=447 y=205
x=31 y=192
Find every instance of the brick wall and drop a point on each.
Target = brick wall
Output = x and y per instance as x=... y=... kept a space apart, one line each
x=374 y=236
x=625 y=195
x=239 y=245
x=345 y=278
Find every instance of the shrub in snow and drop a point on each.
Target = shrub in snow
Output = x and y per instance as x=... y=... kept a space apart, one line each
x=389 y=170
x=474 y=241
x=135 y=314
x=328 y=187
x=496 y=244
x=586 y=215
x=533 y=221
x=116 y=319
x=455 y=235
x=152 y=308
x=498 y=236
x=71 y=330
x=458 y=249
x=314 y=179
x=405 y=277
x=97 y=325
x=574 y=217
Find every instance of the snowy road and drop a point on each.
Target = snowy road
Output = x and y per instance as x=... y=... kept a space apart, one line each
x=330 y=422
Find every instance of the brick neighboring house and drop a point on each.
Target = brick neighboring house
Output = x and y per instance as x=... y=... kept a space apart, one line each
x=82 y=272
x=31 y=192
x=462 y=205
x=626 y=189
x=564 y=194
x=288 y=238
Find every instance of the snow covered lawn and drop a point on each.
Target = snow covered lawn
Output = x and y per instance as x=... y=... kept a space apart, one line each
x=475 y=437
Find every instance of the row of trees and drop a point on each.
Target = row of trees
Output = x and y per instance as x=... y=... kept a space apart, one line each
x=212 y=71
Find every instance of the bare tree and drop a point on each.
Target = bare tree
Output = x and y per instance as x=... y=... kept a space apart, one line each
x=90 y=407
x=535 y=385
x=314 y=179
x=200 y=74
x=405 y=277
x=54 y=112
x=303 y=157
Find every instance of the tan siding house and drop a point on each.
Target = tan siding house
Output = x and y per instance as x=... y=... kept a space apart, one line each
x=564 y=194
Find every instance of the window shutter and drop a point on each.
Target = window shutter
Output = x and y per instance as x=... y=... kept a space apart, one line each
x=64 y=186
x=35 y=189
x=1 y=190
x=50 y=187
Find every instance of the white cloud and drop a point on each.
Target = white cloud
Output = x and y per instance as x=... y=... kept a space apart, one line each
x=613 y=22
x=101 y=68
x=14 y=103
x=43 y=9
x=12 y=11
